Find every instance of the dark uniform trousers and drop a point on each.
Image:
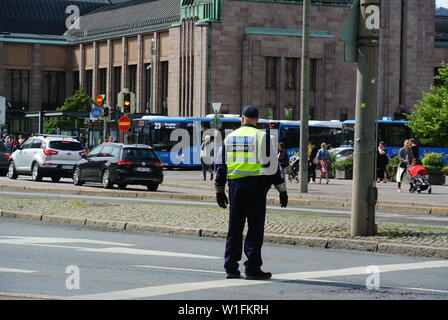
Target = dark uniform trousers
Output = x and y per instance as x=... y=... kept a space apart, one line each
x=247 y=198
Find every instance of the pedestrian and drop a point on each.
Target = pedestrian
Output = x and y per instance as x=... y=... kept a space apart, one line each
x=381 y=162
x=83 y=140
x=207 y=148
x=283 y=159
x=111 y=140
x=312 y=162
x=21 y=140
x=14 y=144
x=406 y=156
x=415 y=149
x=250 y=173
x=324 y=158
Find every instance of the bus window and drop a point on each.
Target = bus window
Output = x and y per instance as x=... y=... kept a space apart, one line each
x=393 y=135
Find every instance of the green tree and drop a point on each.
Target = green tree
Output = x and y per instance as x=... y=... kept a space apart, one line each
x=429 y=120
x=79 y=101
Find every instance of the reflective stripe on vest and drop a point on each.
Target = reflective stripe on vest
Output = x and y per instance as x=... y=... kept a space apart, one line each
x=243 y=151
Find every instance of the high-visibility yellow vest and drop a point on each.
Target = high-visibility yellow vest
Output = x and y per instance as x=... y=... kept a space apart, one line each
x=244 y=152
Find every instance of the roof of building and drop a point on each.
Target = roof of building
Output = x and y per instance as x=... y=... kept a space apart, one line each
x=135 y=16
x=45 y=17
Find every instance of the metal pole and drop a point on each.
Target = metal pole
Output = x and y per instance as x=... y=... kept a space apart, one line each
x=305 y=98
x=364 y=192
x=200 y=84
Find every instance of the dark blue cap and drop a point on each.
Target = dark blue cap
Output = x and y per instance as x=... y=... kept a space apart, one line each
x=251 y=112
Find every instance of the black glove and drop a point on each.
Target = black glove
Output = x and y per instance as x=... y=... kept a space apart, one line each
x=222 y=200
x=283 y=199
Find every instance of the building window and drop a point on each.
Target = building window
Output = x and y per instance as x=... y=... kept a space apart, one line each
x=132 y=78
x=343 y=114
x=53 y=89
x=75 y=81
x=164 y=97
x=271 y=73
x=117 y=84
x=102 y=81
x=291 y=73
x=88 y=82
x=313 y=74
x=18 y=87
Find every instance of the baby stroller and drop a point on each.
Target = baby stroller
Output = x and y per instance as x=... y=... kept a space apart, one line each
x=418 y=181
x=294 y=169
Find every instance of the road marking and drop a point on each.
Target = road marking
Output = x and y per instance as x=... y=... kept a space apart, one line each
x=180 y=269
x=215 y=284
x=51 y=243
x=13 y=270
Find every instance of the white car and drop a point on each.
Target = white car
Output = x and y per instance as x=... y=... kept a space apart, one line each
x=46 y=156
x=341 y=153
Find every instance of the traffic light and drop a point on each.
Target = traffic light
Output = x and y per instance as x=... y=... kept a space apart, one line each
x=127 y=102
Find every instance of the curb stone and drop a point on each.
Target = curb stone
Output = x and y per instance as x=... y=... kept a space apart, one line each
x=327 y=243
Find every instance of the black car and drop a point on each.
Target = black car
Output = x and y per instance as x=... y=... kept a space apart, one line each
x=115 y=163
x=4 y=159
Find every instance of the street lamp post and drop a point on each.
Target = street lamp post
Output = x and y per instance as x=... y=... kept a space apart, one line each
x=305 y=98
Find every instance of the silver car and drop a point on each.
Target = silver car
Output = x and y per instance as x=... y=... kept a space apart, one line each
x=46 y=156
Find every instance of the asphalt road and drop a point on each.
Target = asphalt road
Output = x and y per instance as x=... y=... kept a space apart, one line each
x=42 y=260
x=407 y=218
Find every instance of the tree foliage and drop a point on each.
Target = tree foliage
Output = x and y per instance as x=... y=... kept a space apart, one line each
x=429 y=120
x=79 y=101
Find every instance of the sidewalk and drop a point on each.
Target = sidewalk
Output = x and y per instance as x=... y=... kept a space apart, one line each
x=338 y=193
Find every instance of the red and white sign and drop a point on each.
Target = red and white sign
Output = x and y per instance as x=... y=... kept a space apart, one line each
x=124 y=123
x=100 y=99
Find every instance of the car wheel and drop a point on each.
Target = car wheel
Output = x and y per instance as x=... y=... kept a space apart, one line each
x=122 y=186
x=55 y=179
x=12 y=173
x=106 y=180
x=77 y=177
x=36 y=174
x=152 y=186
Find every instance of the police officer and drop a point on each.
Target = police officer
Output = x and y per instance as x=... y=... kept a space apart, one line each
x=250 y=171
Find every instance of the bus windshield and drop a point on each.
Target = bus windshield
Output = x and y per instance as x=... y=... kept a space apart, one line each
x=157 y=134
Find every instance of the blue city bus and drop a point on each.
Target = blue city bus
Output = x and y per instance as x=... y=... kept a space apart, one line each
x=393 y=133
x=329 y=132
x=156 y=131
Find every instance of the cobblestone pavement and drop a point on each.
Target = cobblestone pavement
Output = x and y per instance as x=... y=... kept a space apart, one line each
x=216 y=219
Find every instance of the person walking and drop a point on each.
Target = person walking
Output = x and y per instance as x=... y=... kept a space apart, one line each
x=207 y=148
x=415 y=149
x=324 y=158
x=406 y=156
x=312 y=161
x=381 y=162
x=249 y=163
x=283 y=158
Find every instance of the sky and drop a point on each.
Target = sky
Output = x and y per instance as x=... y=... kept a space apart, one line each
x=442 y=3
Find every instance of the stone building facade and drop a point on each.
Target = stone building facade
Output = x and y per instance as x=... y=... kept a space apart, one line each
x=181 y=56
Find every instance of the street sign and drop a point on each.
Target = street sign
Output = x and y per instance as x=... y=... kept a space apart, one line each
x=2 y=111
x=124 y=123
x=100 y=99
x=96 y=112
x=216 y=106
